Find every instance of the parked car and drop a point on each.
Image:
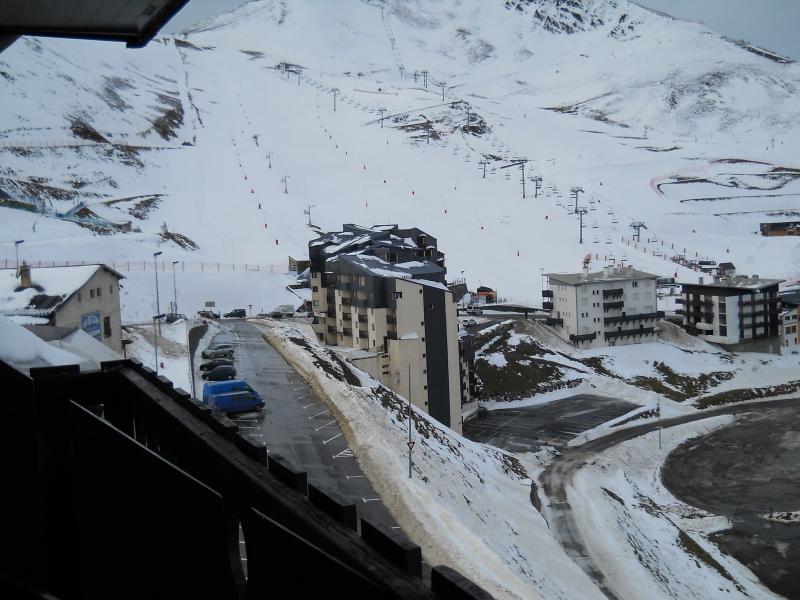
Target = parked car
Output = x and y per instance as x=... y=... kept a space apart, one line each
x=220 y=373
x=468 y=322
x=474 y=310
x=221 y=346
x=207 y=314
x=216 y=362
x=230 y=397
x=218 y=353
x=238 y=313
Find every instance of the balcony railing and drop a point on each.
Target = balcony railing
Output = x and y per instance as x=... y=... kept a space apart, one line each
x=547 y=293
x=332 y=329
x=610 y=335
x=362 y=318
x=347 y=316
x=363 y=335
x=347 y=331
x=553 y=321
x=679 y=301
x=628 y=318
x=331 y=312
x=345 y=301
x=583 y=337
x=615 y=293
x=391 y=319
x=392 y=335
x=547 y=305
x=613 y=305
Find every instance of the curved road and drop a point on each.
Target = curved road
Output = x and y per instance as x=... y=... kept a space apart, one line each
x=559 y=474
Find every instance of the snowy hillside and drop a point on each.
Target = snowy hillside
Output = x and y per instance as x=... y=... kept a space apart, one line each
x=655 y=119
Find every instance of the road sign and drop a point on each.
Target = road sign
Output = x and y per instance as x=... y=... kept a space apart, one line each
x=210 y=304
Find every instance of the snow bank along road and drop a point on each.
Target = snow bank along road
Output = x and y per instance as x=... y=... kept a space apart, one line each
x=555 y=479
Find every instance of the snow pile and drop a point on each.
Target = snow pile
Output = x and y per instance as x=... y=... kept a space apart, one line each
x=467 y=505
x=173 y=352
x=23 y=350
x=647 y=543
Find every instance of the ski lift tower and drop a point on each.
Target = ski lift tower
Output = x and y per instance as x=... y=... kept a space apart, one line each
x=638 y=226
x=581 y=211
x=573 y=192
x=518 y=162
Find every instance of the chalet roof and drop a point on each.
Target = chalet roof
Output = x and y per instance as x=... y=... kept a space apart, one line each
x=52 y=288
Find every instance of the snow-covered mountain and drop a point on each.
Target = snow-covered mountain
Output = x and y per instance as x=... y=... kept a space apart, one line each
x=227 y=135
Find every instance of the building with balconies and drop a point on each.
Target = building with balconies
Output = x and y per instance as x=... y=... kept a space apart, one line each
x=740 y=312
x=615 y=306
x=379 y=294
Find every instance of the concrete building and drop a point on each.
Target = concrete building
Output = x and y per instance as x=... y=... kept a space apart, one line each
x=784 y=228
x=739 y=312
x=379 y=293
x=611 y=307
x=789 y=320
x=83 y=297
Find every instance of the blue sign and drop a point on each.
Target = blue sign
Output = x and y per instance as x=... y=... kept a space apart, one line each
x=90 y=323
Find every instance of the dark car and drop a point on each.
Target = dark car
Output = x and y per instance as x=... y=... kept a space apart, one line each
x=238 y=313
x=220 y=373
x=217 y=362
x=207 y=314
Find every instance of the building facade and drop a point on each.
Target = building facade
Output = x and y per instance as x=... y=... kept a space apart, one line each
x=739 y=312
x=380 y=293
x=84 y=297
x=615 y=306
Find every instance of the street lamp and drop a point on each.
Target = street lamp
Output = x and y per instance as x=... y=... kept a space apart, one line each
x=16 y=249
x=158 y=304
x=174 y=289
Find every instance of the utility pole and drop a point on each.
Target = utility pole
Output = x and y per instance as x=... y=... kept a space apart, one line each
x=537 y=185
x=269 y=159
x=581 y=211
x=425 y=78
x=335 y=91
x=659 y=422
x=158 y=304
x=410 y=443
x=16 y=250
x=574 y=191
x=638 y=226
x=382 y=110
x=285 y=181
x=174 y=289
x=468 y=110
x=483 y=163
x=442 y=85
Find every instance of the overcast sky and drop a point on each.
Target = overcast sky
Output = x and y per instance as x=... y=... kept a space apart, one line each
x=772 y=24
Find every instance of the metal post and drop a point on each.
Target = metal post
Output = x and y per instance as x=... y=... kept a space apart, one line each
x=410 y=443
x=155 y=341
x=158 y=304
x=174 y=289
x=659 y=422
x=16 y=250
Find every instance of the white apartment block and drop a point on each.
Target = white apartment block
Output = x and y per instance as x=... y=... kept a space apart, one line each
x=615 y=306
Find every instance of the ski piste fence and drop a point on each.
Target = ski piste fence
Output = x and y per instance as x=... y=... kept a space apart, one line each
x=130 y=266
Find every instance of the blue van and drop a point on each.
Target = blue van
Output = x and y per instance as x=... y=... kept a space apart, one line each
x=230 y=397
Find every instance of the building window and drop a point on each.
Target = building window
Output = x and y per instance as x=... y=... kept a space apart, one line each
x=316 y=303
x=314 y=288
x=99 y=292
x=106 y=326
x=91 y=293
x=111 y=289
x=723 y=330
x=635 y=284
x=398 y=295
x=424 y=387
x=420 y=290
x=79 y=299
x=423 y=355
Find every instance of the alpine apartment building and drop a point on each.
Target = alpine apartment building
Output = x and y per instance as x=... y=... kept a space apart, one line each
x=741 y=312
x=380 y=292
x=615 y=306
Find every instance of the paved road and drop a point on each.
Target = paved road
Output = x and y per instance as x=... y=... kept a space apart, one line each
x=552 y=424
x=296 y=425
x=743 y=472
x=561 y=471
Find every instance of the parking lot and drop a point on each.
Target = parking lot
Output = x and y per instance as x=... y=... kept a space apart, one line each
x=552 y=424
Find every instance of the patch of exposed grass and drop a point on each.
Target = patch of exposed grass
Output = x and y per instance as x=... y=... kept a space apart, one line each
x=740 y=395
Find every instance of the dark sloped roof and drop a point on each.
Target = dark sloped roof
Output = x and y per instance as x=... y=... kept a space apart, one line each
x=134 y=22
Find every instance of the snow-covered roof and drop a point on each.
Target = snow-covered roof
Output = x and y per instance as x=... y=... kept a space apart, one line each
x=611 y=274
x=742 y=282
x=374 y=265
x=52 y=287
x=23 y=350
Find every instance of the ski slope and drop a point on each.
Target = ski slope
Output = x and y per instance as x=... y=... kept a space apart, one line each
x=657 y=120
